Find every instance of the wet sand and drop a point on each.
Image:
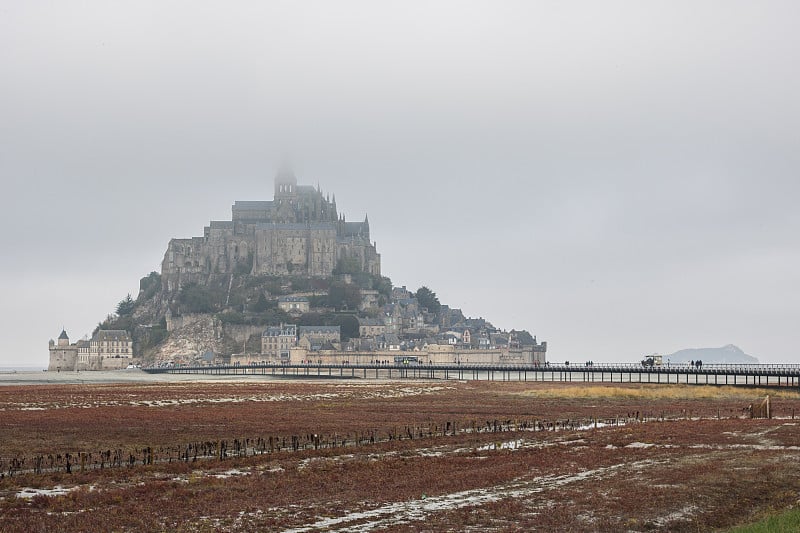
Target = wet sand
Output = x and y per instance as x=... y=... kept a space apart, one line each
x=116 y=376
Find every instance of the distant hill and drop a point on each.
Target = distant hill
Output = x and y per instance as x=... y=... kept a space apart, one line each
x=726 y=355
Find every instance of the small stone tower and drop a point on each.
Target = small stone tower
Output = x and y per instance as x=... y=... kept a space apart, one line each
x=63 y=356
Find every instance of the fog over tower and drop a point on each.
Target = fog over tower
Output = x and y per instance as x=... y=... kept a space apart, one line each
x=298 y=233
x=285 y=184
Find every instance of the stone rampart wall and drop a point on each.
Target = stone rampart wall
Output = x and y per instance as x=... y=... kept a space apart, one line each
x=66 y=360
x=181 y=321
x=63 y=359
x=433 y=356
x=242 y=332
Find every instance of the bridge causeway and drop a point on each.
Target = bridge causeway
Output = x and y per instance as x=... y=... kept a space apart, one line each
x=784 y=376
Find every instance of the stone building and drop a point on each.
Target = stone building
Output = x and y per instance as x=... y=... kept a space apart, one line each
x=107 y=350
x=294 y=304
x=327 y=333
x=299 y=232
x=315 y=338
x=63 y=356
x=370 y=299
x=276 y=341
x=370 y=327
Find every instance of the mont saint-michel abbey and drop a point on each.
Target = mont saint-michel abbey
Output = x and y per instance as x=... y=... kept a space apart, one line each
x=299 y=232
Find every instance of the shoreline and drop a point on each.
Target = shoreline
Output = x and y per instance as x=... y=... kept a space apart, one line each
x=114 y=376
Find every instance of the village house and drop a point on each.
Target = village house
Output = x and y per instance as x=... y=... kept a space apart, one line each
x=327 y=333
x=369 y=327
x=369 y=299
x=484 y=342
x=401 y=293
x=294 y=305
x=277 y=341
x=388 y=341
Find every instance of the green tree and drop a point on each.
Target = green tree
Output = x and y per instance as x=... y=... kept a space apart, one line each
x=344 y=296
x=524 y=338
x=314 y=319
x=318 y=301
x=273 y=317
x=244 y=268
x=253 y=343
x=126 y=306
x=384 y=286
x=260 y=305
x=232 y=317
x=427 y=299
x=149 y=285
x=301 y=284
x=348 y=325
x=194 y=298
x=347 y=265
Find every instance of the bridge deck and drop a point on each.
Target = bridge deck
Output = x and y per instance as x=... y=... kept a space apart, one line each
x=749 y=375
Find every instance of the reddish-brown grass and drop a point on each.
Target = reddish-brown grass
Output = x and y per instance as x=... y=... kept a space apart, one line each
x=680 y=461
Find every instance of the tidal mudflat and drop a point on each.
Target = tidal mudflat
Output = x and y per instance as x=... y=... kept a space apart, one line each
x=143 y=454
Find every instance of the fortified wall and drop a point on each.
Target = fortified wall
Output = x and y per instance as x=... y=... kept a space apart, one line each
x=528 y=355
x=299 y=232
x=107 y=350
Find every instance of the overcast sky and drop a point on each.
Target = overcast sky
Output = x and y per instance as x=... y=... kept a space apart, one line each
x=619 y=178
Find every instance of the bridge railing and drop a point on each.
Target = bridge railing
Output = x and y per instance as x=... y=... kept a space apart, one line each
x=768 y=369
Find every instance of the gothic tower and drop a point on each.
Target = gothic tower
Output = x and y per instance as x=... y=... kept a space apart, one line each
x=285 y=185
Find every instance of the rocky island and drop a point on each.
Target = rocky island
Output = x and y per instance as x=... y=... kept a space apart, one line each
x=288 y=279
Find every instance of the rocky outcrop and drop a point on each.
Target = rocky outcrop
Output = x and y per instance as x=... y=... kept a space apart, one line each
x=190 y=338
